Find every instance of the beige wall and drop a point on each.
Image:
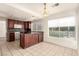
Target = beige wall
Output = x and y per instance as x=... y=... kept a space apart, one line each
x=63 y=42
x=3 y=28
x=77 y=27
x=37 y=25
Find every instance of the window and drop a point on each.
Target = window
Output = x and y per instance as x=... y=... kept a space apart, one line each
x=62 y=27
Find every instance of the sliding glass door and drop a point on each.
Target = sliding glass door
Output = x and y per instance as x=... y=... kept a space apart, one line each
x=62 y=27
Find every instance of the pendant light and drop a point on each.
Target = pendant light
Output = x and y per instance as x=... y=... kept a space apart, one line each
x=45 y=10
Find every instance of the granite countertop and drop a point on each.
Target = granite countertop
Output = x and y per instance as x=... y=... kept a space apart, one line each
x=16 y=30
x=32 y=32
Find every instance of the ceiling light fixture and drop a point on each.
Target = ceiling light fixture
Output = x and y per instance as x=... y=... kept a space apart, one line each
x=45 y=10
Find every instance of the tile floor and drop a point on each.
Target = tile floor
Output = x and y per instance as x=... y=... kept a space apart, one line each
x=41 y=49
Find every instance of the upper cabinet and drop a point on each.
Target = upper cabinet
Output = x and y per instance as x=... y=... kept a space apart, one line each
x=27 y=25
x=10 y=23
x=17 y=26
x=30 y=25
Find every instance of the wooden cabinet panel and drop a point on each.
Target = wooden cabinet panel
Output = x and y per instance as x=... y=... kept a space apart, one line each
x=10 y=24
x=35 y=38
x=30 y=39
x=10 y=27
x=21 y=40
x=27 y=25
x=41 y=37
x=11 y=37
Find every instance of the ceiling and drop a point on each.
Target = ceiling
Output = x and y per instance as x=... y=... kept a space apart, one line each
x=32 y=11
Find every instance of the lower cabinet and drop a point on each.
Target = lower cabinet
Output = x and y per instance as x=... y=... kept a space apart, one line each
x=27 y=40
x=22 y=40
x=10 y=36
x=40 y=37
x=35 y=39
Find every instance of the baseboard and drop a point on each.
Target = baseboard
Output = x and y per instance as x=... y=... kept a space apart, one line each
x=58 y=45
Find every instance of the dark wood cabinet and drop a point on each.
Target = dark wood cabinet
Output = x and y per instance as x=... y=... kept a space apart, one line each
x=27 y=24
x=35 y=39
x=26 y=27
x=40 y=36
x=11 y=36
x=10 y=24
x=29 y=39
x=21 y=40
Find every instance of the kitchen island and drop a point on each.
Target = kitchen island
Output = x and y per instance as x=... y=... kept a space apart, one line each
x=29 y=39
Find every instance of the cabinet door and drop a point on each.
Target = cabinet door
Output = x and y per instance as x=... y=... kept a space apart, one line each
x=40 y=37
x=11 y=37
x=29 y=25
x=25 y=25
x=35 y=38
x=22 y=40
x=11 y=24
x=28 y=40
